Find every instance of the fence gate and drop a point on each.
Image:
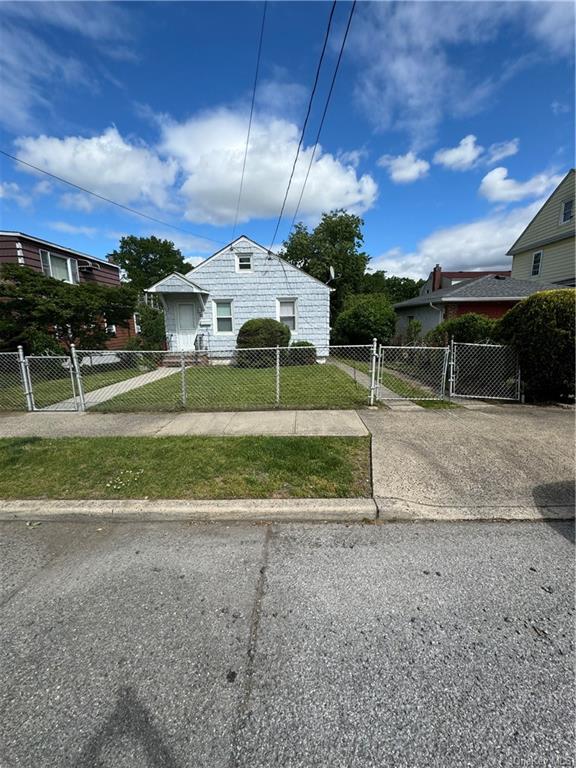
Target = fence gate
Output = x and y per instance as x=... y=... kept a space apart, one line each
x=484 y=371
x=52 y=384
x=411 y=373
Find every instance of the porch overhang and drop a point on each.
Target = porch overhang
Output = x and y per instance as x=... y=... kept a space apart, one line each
x=177 y=284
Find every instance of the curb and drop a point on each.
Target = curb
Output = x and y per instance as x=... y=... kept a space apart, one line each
x=167 y=510
x=393 y=510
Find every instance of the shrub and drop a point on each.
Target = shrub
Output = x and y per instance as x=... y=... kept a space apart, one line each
x=471 y=328
x=541 y=329
x=260 y=332
x=365 y=317
x=413 y=331
x=300 y=353
x=152 y=327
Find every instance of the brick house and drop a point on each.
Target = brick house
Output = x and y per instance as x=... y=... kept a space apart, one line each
x=67 y=265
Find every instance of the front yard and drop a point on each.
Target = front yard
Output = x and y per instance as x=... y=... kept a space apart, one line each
x=185 y=467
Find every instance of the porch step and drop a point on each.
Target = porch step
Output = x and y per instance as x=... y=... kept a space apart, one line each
x=190 y=358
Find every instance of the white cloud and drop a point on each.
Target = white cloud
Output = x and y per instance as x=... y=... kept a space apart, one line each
x=502 y=149
x=404 y=169
x=498 y=188
x=460 y=158
x=476 y=245
x=412 y=74
x=210 y=151
x=107 y=164
x=73 y=229
x=9 y=190
x=559 y=108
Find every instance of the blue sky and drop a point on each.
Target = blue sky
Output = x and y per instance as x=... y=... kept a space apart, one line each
x=449 y=125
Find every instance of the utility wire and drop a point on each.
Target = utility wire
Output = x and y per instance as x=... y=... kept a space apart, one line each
x=108 y=200
x=250 y=120
x=326 y=36
x=329 y=96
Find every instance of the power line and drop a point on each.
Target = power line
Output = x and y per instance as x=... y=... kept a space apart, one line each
x=108 y=200
x=250 y=120
x=329 y=96
x=326 y=36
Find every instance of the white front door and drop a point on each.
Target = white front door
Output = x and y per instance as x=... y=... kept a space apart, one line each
x=186 y=326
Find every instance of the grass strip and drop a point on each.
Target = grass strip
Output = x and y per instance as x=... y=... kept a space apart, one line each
x=184 y=467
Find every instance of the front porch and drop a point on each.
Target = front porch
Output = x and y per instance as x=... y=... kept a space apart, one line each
x=183 y=302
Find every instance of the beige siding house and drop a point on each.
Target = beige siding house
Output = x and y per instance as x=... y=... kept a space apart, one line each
x=545 y=251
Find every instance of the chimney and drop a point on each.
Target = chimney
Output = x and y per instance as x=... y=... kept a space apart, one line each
x=437 y=278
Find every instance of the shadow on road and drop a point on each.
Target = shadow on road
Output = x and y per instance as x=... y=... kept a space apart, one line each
x=561 y=494
x=129 y=719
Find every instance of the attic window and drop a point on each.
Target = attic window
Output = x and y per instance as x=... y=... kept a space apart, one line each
x=536 y=263
x=567 y=211
x=244 y=262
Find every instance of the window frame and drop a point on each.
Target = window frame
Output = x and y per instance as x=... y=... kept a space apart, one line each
x=215 y=318
x=71 y=266
x=562 y=208
x=244 y=255
x=294 y=301
x=540 y=254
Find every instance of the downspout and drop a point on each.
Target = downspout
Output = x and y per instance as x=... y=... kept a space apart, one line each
x=438 y=309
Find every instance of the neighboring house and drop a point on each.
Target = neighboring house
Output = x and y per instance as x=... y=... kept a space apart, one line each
x=546 y=248
x=437 y=279
x=206 y=308
x=67 y=265
x=492 y=295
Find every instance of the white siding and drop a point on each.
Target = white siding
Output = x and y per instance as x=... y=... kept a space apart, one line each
x=255 y=293
x=428 y=316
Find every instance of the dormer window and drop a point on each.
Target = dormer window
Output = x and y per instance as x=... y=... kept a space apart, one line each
x=244 y=262
x=567 y=211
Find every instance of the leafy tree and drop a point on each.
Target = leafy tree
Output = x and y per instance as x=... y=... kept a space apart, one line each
x=146 y=260
x=395 y=288
x=42 y=313
x=365 y=317
x=336 y=242
x=471 y=327
x=541 y=328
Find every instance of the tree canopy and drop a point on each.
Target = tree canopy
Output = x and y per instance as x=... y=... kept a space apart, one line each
x=364 y=318
x=42 y=313
x=336 y=242
x=395 y=288
x=146 y=260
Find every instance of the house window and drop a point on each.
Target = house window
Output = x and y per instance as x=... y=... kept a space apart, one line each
x=59 y=267
x=567 y=211
x=223 y=316
x=287 y=312
x=137 y=323
x=536 y=263
x=244 y=262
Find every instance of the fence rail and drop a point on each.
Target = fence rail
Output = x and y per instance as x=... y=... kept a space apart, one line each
x=297 y=377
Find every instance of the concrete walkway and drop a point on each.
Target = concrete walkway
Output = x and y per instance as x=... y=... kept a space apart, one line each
x=391 y=398
x=59 y=424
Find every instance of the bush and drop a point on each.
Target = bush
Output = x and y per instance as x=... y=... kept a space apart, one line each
x=541 y=329
x=365 y=317
x=471 y=328
x=300 y=353
x=257 y=333
x=152 y=327
x=413 y=331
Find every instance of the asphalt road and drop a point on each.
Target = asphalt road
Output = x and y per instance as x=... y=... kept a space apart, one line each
x=172 y=645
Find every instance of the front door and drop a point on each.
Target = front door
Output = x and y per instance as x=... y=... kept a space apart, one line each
x=186 y=326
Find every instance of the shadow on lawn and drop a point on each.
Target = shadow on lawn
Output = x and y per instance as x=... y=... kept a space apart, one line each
x=560 y=494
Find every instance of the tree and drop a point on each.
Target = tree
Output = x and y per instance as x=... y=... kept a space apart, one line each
x=395 y=288
x=146 y=260
x=365 y=317
x=42 y=313
x=336 y=242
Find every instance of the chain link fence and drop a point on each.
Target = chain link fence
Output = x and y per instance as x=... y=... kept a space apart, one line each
x=484 y=371
x=12 y=385
x=412 y=373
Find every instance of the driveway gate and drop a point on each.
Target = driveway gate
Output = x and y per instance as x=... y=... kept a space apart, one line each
x=52 y=383
x=412 y=373
x=484 y=371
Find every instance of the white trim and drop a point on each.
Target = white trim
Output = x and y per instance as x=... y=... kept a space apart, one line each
x=72 y=272
x=242 y=255
x=215 y=316
x=294 y=300
x=60 y=247
x=563 y=222
x=541 y=255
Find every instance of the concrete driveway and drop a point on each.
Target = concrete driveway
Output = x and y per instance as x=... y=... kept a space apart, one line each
x=490 y=461
x=172 y=646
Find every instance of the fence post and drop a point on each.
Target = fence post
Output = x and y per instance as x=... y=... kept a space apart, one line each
x=78 y=376
x=451 y=386
x=25 y=379
x=373 y=371
x=277 y=376
x=183 y=391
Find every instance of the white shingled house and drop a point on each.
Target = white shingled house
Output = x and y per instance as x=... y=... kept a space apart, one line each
x=206 y=308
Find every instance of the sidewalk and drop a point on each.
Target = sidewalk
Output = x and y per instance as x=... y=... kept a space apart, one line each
x=282 y=423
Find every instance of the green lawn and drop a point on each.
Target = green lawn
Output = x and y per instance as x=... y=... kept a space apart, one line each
x=52 y=391
x=224 y=387
x=185 y=467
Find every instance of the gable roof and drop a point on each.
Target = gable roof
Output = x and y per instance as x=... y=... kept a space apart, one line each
x=487 y=288
x=523 y=242
x=263 y=249
x=176 y=283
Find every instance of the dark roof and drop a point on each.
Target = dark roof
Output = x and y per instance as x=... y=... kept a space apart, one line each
x=489 y=287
